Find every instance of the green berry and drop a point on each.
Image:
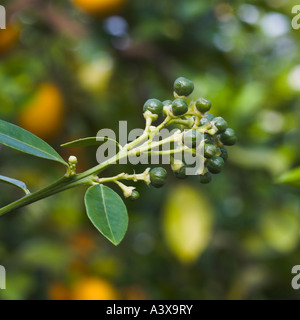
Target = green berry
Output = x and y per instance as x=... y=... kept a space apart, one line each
x=209 y=151
x=183 y=87
x=228 y=137
x=167 y=103
x=158 y=177
x=208 y=138
x=215 y=164
x=203 y=105
x=205 y=178
x=224 y=154
x=154 y=106
x=203 y=121
x=179 y=107
x=180 y=174
x=220 y=124
x=135 y=195
x=192 y=138
x=209 y=116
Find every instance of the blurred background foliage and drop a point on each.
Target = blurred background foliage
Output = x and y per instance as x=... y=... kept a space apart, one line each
x=71 y=68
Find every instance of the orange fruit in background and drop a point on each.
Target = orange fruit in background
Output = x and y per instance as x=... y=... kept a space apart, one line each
x=9 y=37
x=57 y=291
x=83 y=243
x=93 y=288
x=102 y=7
x=43 y=114
x=135 y=292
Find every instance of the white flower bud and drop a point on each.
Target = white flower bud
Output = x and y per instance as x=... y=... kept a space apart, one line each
x=128 y=191
x=72 y=160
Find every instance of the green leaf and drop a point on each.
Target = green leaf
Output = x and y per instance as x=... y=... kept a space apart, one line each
x=20 y=139
x=90 y=141
x=291 y=177
x=107 y=211
x=15 y=183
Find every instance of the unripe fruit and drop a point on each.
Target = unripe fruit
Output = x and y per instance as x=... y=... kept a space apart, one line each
x=192 y=138
x=183 y=87
x=208 y=138
x=203 y=105
x=179 y=107
x=209 y=150
x=215 y=164
x=135 y=195
x=228 y=137
x=220 y=124
x=224 y=154
x=203 y=121
x=205 y=178
x=209 y=116
x=158 y=177
x=154 y=106
x=180 y=174
x=167 y=103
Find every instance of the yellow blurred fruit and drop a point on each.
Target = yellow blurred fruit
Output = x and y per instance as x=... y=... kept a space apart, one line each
x=99 y=7
x=43 y=115
x=95 y=75
x=93 y=288
x=188 y=222
x=280 y=228
x=8 y=37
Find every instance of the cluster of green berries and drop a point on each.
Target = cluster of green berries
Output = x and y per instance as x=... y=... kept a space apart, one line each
x=217 y=133
x=158 y=177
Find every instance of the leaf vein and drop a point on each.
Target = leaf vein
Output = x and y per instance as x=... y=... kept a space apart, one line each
x=105 y=210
